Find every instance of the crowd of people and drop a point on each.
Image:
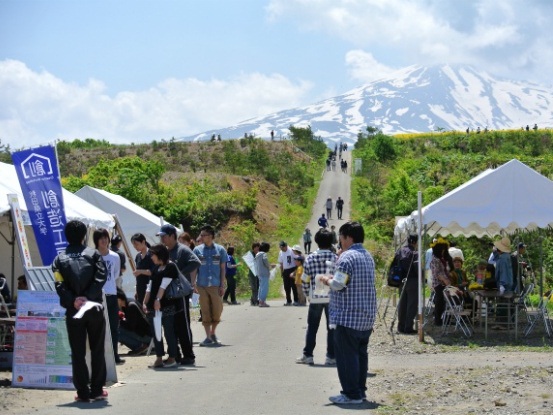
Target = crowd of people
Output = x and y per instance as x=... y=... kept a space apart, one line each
x=505 y=270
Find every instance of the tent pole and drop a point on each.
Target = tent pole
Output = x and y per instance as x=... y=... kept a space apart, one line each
x=420 y=285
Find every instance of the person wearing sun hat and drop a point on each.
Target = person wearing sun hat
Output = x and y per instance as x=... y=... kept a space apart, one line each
x=440 y=266
x=503 y=266
x=503 y=278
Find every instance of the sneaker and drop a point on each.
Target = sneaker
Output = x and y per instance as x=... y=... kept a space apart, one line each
x=330 y=361
x=119 y=361
x=187 y=361
x=215 y=340
x=79 y=399
x=287 y=304
x=234 y=303
x=296 y=304
x=140 y=350
x=305 y=360
x=101 y=397
x=207 y=342
x=172 y=364
x=344 y=400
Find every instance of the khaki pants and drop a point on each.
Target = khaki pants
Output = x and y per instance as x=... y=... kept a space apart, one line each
x=211 y=305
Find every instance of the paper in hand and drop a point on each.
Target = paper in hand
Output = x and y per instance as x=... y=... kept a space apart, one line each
x=87 y=306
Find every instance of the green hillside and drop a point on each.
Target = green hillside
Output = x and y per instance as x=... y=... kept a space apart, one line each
x=395 y=168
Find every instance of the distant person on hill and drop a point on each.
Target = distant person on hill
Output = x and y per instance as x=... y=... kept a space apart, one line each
x=307 y=241
x=329 y=205
x=339 y=207
x=535 y=127
x=527 y=127
x=323 y=222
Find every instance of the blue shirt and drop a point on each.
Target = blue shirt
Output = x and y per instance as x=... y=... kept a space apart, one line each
x=211 y=258
x=504 y=271
x=355 y=305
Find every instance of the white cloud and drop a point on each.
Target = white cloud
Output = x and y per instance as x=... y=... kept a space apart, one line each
x=508 y=37
x=37 y=108
x=364 y=67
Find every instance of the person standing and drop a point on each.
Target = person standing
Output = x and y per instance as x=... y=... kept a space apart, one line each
x=440 y=267
x=323 y=221
x=80 y=274
x=144 y=266
x=287 y=267
x=113 y=263
x=187 y=263
x=316 y=263
x=252 y=275
x=409 y=297
x=230 y=274
x=329 y=206
x=210 y=283
x=339 y=207
x=263 y=269
x=116 y=242
x=307 y=241
x=352 y=311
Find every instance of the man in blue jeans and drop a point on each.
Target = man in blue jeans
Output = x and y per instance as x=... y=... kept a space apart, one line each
x=316 y=264
x=352 y=311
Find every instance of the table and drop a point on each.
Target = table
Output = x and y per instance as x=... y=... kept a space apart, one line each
x=494 y=295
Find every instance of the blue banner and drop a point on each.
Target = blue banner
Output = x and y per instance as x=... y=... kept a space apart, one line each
x=37 y=170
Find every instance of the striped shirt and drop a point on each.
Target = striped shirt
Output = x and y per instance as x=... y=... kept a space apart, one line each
x=355 y=305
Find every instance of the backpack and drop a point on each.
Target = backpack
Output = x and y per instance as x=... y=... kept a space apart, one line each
x=396 y=273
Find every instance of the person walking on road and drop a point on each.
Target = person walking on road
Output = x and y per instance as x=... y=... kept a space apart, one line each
x=352 y=312
x=329 y=206
x=323 y=222
x=339 y=207
x=307 y=241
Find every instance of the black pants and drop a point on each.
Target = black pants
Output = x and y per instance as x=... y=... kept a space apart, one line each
x=254 y=286
x=289 y=285
x=182 y=328
x=113 y=315
x=439 y=304
x=231 y=289
x=93 y=325
x=407 y=307
x=339 y=212
x=307 y=247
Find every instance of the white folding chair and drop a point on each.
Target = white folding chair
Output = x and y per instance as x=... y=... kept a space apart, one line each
x=455 y=313
x=539 y=315
x=428 y=312
x=523 y=302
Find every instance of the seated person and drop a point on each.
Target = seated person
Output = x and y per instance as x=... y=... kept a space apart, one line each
x=480 y=273
x=4 y=289
x=458 y=278
x=134 y=328
x=22 y=283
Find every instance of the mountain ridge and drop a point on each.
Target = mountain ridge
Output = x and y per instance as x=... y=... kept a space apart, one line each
x=411 y=100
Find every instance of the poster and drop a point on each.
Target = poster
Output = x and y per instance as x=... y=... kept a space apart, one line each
x=42 y=356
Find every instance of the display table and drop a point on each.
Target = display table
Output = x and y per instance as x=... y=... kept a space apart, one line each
x=495 y=301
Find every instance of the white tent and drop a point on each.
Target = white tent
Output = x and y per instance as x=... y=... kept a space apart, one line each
x=132 y=218
x=75 y=209
x=505 y=199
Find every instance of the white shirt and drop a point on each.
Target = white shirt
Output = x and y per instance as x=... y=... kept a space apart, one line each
x=286 y=258
x=113 y=267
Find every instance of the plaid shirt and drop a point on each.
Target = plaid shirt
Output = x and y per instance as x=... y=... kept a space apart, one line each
x=355 y=305
x=315 y=263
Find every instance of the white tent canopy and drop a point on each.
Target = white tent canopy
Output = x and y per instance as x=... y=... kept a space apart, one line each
x=75 y=209
x=132 y=218
x=505 y=199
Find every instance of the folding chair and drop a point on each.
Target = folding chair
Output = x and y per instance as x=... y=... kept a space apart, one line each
x=523 y=302
x=455 y=312
x=539 y=315
x=428 y=312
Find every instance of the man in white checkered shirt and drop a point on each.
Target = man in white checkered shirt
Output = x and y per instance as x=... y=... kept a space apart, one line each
x=352 y=312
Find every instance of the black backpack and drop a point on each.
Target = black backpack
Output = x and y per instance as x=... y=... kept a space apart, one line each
x=396 y=273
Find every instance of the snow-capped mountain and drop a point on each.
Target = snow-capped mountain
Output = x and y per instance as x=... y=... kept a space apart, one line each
x=414 y=99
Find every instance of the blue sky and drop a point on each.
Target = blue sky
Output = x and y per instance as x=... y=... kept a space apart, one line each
x=137 y=71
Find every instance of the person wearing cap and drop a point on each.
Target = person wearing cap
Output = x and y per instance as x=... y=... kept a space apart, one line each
x=210 y=283
x=287 y=267
x=407 y=307
x=187 y=263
